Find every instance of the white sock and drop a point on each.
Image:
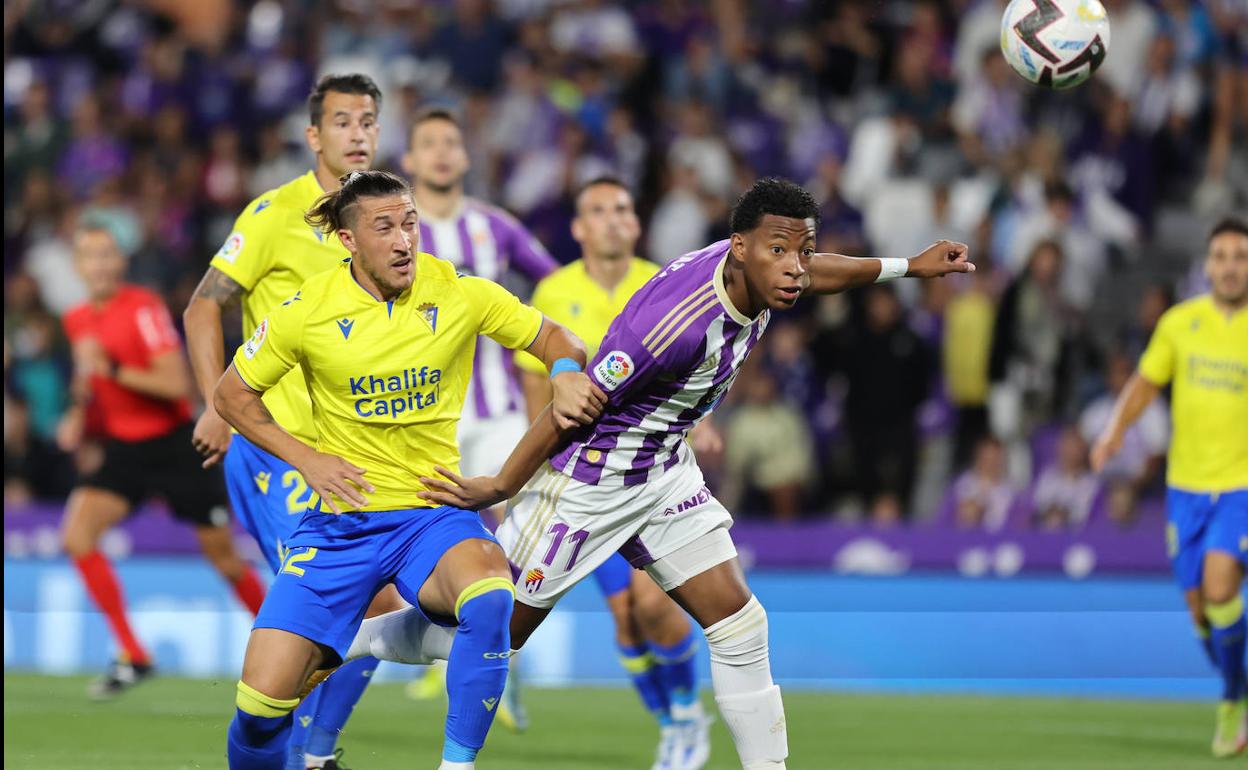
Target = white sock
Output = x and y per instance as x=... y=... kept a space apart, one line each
x=312 y=762
x=748 y=699
x=457 y=765
x=402 y=636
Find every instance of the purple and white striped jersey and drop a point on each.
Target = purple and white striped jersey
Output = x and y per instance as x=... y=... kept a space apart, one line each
x=485 y=241
x=665 y=363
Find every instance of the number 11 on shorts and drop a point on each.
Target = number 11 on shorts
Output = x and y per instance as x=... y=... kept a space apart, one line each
x=560 y=531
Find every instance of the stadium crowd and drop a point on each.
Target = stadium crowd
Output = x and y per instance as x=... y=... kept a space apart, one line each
x=970 y=400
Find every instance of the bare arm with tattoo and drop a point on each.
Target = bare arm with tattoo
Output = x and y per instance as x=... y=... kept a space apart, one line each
x=328 y=475
x=205 y=344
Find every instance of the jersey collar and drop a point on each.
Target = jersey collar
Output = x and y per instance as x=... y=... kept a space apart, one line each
x=722 y=293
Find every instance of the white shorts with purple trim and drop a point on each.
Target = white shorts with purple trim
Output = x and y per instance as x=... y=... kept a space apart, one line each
x=559 y=530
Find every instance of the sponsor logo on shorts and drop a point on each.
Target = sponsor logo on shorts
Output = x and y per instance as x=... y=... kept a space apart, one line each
x=253 y=345
x=533 y=579
x=232 y=247
x=614 y=368
x=702 y=497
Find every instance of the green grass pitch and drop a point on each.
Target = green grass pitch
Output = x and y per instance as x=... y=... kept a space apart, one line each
x=179 y=723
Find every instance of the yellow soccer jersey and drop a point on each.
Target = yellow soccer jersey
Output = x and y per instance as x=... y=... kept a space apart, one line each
x=387 y=379
x=270 y=253
x=570 y=297
x=1204 y=355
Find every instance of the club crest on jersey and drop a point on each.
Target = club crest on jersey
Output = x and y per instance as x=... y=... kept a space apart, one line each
x=344 y=326
x=533 y=579
x=256 y=341
x=232 y=247
x=429 y=312
x=614 y=368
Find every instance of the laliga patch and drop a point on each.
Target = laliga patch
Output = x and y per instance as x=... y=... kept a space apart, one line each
x=253 y=345
x=614 y=368
x=232 y=247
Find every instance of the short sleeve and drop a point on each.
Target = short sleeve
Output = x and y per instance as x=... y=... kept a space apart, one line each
x=623 y=364
x=504 y=318
x=155 y=327
x=1157 y=363
x=543 y=297
x=275 y=347
x=247 y=253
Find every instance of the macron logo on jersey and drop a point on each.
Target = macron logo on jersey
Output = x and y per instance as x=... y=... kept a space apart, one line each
x=614 y=368
x=261 y=206
x=344 y=326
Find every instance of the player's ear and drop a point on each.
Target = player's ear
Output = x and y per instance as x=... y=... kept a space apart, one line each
x=313 y=136
x=347 y=239
x=408 y=164
x=737 y=247
x=578 y=229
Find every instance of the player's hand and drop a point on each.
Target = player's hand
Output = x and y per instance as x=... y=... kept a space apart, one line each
x=1104 y=449
x=211 y=437
x=90 y=358
x=707 y=442
x=577 y=400
x=940 y=259
x=474 y=494
x=331 y=476
x=70 y=430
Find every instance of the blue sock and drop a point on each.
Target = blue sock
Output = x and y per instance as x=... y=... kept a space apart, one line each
x=305 y=716
x=1206 y=644
x=338 y=696
x=260 y=732
x=1227 y=626
x=642 y=669
x=477 y=668
x=677 y=666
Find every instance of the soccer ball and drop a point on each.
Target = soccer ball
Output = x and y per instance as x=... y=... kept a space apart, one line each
x=1055 y=43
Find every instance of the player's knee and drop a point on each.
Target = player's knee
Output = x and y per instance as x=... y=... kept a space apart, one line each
x=261 y=716
x=1218 y=592
x=651 y=606
x=485 y=608
x=741 y=638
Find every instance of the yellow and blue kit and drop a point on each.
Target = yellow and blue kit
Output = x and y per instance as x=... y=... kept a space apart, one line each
x=270 y=253
x=387 y=383
x=1203 y=355
x=569 y=296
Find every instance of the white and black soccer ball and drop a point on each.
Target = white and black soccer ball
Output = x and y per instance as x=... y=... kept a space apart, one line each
x=1055 y=43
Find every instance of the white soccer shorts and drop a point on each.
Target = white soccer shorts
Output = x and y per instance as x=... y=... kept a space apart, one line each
x=559 y=530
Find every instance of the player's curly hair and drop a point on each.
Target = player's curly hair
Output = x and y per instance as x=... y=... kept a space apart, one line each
x=335 y=210
x=353 y=83
x=772 y=196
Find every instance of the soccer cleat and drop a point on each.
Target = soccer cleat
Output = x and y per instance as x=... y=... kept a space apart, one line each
x=121 y=676
x=336 y=762
x=1231 y=737
x=429 y=686
x=669 y=755
x=695 y=742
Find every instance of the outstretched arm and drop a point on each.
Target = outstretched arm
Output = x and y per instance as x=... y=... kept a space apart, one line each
x=834 y=273
x=1132 y=402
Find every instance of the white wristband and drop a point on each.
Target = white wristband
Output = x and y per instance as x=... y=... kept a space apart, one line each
x=891 y=268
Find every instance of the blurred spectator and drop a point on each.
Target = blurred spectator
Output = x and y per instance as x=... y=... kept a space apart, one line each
x=93 y=155
x=1139 y=462
x=983 y=495
x=988 y=113
x=1083 y=253
x=966 y=348
x=593 y=28
x=768 y=452
x=1134 y=28
x=38 y=141
x=1066 y=489
x=1138 y=329
x=473 y=41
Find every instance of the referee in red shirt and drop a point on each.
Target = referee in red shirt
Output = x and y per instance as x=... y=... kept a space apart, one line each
x=131 y=384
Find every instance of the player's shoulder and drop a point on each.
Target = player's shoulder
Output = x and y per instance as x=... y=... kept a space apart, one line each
x=680 y=299
x=132 y=295
x=570 y=277
x=431 y=268
x=292 y=198
x=1186 y=312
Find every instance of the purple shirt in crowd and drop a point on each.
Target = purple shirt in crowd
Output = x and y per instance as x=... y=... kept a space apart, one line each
x=485 y=241
x=665 y=363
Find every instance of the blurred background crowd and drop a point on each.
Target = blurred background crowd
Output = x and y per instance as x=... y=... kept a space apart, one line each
x=969 y=401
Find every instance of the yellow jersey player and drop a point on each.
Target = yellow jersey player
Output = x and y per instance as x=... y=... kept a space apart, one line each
x=268 y=255
x=657 y=645
x=1200 y=349
x=385 y=343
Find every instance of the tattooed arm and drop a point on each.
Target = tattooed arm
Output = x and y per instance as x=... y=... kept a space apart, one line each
x=328 y=475
x=205 y=343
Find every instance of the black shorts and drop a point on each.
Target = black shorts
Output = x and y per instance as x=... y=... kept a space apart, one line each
x=168 y=467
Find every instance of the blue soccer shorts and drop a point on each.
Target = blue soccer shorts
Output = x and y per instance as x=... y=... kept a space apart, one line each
x=1199 y=523
x=268 y=495
x=335 y=563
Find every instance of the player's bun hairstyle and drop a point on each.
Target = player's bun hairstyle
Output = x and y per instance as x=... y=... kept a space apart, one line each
x=354 y=83
x=772 y=196
x=1229 y=225
x=335 y=210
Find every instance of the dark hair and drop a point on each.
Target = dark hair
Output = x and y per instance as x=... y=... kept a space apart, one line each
x=1058 y=190
x=607 y=179
x=333 y=210
x=435 y=113
x=354 y=83
x=772 y=196
x=1229 y=225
